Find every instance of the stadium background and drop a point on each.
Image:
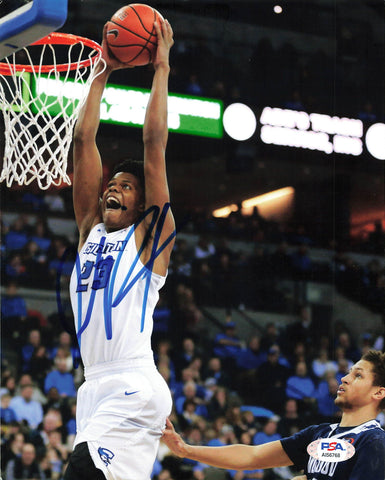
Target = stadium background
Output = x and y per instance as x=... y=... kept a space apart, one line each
x=305 y=278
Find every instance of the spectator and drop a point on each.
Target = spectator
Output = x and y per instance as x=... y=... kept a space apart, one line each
x=35 y=262
x=223 y=275
x=269 y=432
x=204 y=248
x=345 y=341
x=34 y=341
x=25 y=466
x=54 y=202
x=37 y=395
x=59 y=260
x=61 y=379
x=301 y=330
x=161 y=316
x=290 y=422
x=184 y=357
x=13 y=311
x=193 y=86
x=8 y=385
x=270 y=336
x=11 y=449
x=326 y=394
x=216 y=371
x=227 y=346
x=190 y=393
x=15 y=268
x=301 y=269
x=27 y=409
x=55 y=442
x=64 y=347
x=321 y=364
x=17 y=236
x=252 y=356
x=52 y=421
x=342 y=364
x=203 y=281
x=301 y=387
x=271 y=381
x=40 y=364
x=218 y=404
x=8 y=415
x=188 y=313
x=367 y=114
x=41 y=235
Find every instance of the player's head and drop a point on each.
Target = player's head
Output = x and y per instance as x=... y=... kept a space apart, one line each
x=135 y=167
x=364 y=384
x=123 y=200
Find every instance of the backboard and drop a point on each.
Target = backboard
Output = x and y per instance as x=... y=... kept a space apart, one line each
x=26 y=21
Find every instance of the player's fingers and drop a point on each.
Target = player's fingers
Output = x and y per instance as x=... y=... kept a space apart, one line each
x=168 y=28
x=158 y=29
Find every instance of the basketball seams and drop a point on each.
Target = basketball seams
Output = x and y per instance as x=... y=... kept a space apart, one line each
x=140 y=20
x=133 y=33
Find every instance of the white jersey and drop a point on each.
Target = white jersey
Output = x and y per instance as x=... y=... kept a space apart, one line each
x=113 y=297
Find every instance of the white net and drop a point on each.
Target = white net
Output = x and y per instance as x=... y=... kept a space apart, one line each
x=40 y=110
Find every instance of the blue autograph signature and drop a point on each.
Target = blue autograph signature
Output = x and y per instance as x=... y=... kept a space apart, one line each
x=158 y=217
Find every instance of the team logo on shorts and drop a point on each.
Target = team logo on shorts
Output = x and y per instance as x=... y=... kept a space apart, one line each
x=106 y=455
x=331 y=449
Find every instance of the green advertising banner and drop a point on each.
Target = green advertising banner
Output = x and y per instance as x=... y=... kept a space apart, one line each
x=127 y=106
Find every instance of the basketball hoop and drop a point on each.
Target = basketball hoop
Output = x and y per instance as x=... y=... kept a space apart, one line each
x=40 y=98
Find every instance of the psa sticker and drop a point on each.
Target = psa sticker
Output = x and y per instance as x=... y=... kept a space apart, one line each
x=331 y=449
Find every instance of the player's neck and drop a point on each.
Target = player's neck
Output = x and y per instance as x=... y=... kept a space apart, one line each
x=352 y=418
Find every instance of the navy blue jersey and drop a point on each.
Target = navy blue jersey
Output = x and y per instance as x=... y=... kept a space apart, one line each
x=368 y=462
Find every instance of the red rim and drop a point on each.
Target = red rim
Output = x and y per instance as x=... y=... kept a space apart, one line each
x=56 y=38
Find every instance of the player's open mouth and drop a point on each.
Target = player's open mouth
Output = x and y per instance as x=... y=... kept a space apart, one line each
x=112 y=203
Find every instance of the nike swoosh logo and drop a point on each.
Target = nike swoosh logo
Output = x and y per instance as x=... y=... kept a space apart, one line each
x=113 y=32
x=131 y=393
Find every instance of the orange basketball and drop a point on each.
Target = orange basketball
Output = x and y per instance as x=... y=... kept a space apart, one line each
x=131 y=35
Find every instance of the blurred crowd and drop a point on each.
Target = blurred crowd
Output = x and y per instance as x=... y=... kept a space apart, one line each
x=234 y=262
x=226 y=389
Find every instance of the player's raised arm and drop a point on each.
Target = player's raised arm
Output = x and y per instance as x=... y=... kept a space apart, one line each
x=155 y=135
x=231 y=457
x=87 y=181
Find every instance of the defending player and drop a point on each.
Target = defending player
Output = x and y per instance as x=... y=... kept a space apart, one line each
x=361 y=397
x=126 y=234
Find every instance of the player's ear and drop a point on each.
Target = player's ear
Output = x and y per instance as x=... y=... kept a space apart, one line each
x=379 y=394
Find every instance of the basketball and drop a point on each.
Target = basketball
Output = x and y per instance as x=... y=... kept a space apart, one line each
x=131 y=35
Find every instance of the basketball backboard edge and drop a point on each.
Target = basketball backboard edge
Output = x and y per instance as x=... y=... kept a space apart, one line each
x=30 y=23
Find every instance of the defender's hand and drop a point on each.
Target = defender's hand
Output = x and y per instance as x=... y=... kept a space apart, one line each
x=173 y=440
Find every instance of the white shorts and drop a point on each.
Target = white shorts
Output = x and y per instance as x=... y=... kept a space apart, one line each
x=121 y=412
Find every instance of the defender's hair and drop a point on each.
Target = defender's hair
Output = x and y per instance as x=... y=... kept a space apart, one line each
x=377 y=359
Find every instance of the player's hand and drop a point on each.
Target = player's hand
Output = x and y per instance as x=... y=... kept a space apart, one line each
x=112 y=62
x=173 y=440
x=300 y=477
x=165 y=42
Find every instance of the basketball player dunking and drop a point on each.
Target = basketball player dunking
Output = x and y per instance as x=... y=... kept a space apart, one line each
x=126 y=234
x=354 y=449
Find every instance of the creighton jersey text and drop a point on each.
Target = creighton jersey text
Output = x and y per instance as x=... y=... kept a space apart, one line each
x=367 y=463
x=113 y=297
